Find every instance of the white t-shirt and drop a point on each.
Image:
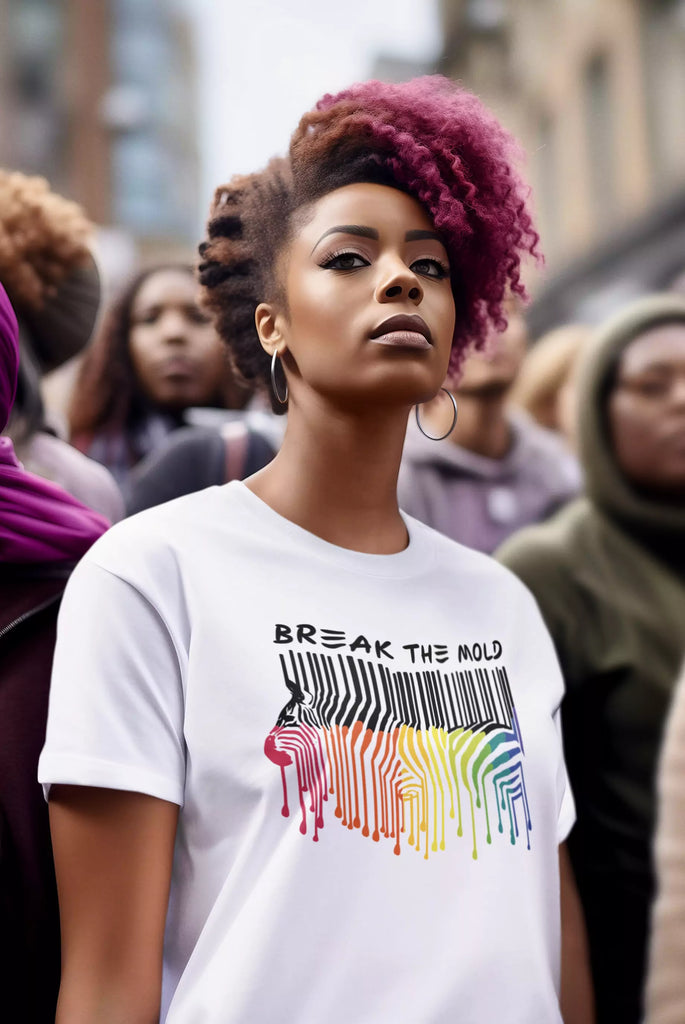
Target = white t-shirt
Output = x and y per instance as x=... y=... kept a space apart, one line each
x=367 y=753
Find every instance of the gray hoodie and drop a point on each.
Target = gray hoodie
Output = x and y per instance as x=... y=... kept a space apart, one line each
x=480 y=501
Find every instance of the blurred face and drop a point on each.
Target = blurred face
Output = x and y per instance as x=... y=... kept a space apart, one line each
x=494 y=372
x=370 y=311
x=647 y=411
x=177 y=357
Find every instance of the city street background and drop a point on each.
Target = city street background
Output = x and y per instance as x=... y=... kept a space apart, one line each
x=139 y=108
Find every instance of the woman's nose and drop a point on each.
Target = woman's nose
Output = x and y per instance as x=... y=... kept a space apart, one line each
x=398 y=281
x=174 y=326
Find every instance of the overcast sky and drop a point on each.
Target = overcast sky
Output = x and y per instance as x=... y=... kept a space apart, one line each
x=262 y=63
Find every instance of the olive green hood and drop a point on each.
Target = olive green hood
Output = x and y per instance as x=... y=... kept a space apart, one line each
x=659 y=524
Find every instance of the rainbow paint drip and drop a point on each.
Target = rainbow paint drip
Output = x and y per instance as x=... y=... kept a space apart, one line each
x=408 y=757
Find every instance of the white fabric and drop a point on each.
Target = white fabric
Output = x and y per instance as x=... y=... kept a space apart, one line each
x=168 y=681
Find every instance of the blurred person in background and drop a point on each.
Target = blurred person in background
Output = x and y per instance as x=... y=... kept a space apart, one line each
x=53 y=283
x=498 y=470
x=665 y=996
x=156 y=355
x=219 y=448
x=196 y=457
x=608 y=573
x=43 y=532
x=545 y=386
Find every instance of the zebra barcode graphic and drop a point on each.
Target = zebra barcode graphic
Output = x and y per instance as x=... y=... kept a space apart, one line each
x=402 y=753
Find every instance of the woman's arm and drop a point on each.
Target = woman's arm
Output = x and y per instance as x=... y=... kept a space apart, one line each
x=577 y=996
x=113 y=854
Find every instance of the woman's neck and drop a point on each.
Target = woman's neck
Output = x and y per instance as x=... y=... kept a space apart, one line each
x=336 y=476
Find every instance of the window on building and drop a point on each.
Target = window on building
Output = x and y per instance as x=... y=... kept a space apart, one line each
x=663 y=41
x=547 y=170
x=35 y=138
x=149 y=112
x=600 y=128
x=486 y=15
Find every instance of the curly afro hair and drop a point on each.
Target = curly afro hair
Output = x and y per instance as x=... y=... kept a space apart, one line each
x=42 y=238
x=429 y=138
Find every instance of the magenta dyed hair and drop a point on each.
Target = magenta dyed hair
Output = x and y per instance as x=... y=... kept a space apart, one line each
x=442 y=146
x=427 y=137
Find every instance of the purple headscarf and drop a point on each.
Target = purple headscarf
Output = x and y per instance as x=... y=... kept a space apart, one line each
x=9 y=357
x=39 y=522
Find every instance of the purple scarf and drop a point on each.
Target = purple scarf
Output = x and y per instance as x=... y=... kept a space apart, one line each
x=39 y=522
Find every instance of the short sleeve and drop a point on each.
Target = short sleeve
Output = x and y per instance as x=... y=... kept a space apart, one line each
x=549 y=678
x=565 y=802
x=115 y=717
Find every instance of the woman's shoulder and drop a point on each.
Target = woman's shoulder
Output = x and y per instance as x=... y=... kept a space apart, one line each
x=83 y=477
x=549 y=548
x=157 y=538
x=191 y=459
x=470 y=567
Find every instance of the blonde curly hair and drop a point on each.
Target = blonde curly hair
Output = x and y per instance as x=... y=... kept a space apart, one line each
x=43 y=236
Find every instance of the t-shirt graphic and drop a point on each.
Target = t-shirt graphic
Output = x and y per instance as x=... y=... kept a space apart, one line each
x=411 y=754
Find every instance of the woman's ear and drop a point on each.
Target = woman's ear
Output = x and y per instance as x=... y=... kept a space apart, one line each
x=269 y=324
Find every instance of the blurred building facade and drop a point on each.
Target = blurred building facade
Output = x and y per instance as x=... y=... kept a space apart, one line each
x=98 y=96
x=595 y=92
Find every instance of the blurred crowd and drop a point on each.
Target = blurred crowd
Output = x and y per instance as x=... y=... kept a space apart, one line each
x=567 y=463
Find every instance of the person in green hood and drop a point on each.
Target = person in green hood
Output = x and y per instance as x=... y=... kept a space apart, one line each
x=608 y=572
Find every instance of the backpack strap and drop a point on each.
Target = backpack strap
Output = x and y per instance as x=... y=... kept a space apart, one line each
x=236 y=438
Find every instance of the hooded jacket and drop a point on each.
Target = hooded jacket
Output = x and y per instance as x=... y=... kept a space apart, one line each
x=479 y=501
x=609 y=575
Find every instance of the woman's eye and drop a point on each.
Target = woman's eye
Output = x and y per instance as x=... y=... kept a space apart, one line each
x=149 y=317
x=430 y=268
x=345 y=261
x=652 y=388
x=196 y=316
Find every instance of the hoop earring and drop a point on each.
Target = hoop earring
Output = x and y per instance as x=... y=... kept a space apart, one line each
x=284 y=400
x=452 y=425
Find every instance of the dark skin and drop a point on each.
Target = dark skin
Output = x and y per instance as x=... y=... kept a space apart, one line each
x=113 y=855
x=335 y=476
x=482 y=393
x=177 y=355
x=647 y=412
x=336 y=473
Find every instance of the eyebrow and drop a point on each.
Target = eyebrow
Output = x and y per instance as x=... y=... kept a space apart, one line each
x=421 y=236
x=658 y=366
x=153 y=307
x=350 y=229
x=365 y=232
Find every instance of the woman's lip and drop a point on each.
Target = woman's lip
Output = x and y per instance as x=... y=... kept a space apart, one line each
x=177 y=368
x=403 y=322
x=403 y=339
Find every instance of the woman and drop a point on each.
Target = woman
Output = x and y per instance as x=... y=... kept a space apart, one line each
x=157 y=354
x=291 y=651
x=609 y=575
x=43 y=532
x=53 y=283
